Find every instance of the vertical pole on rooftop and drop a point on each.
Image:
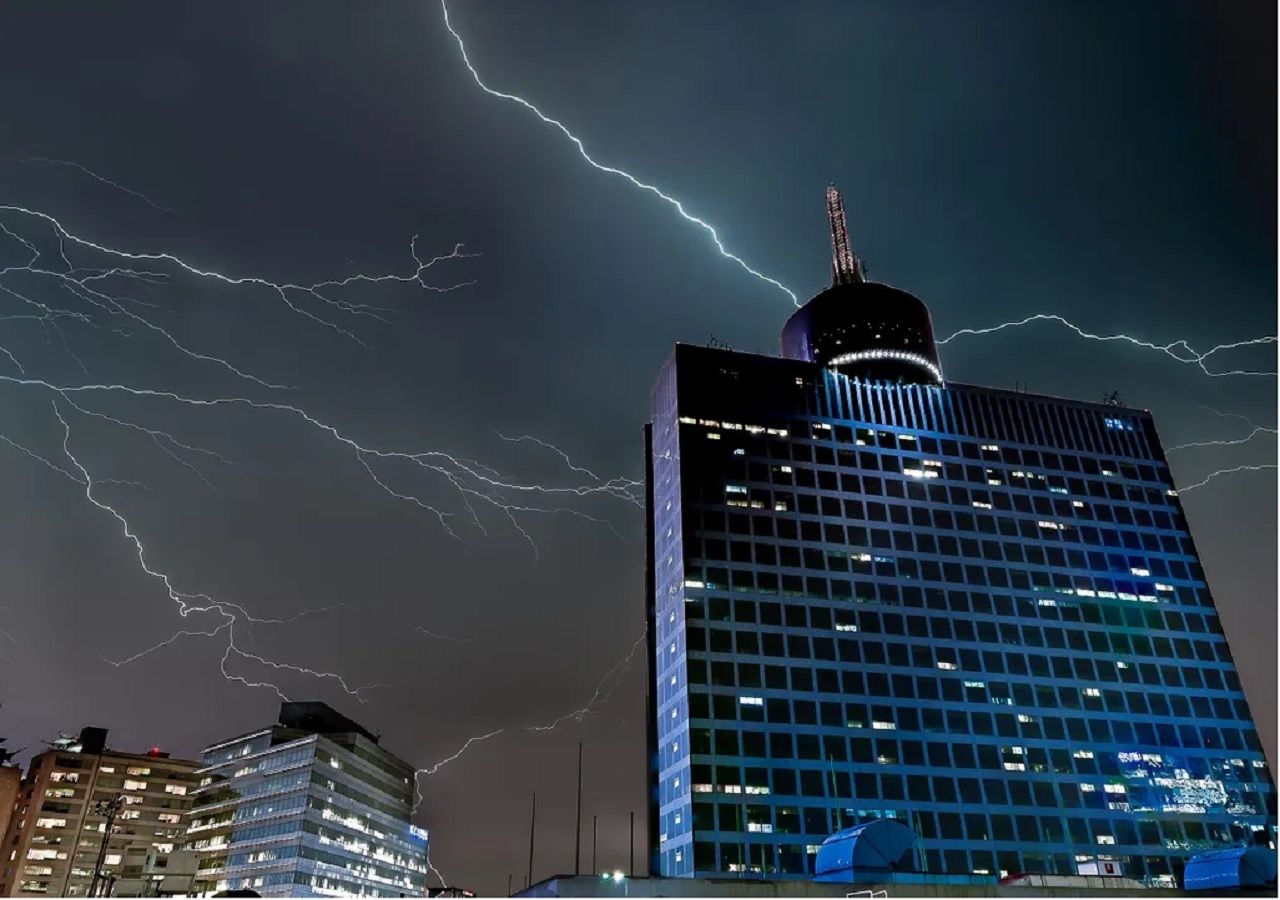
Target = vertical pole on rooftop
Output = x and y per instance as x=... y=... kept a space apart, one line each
x=533 y=817
x=577 y=833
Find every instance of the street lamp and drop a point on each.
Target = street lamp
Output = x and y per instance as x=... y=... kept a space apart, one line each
x=618 y=878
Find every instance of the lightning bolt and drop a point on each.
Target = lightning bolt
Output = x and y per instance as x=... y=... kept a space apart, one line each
x=436 y=636
x=675 y=204
x=1231 y=442
x=603 y=691
x=101 y=179
x=188 y=603
x=1212 y=475
x=284 y=291
x=553 y=448
x=1179 y=350
x=220 y=619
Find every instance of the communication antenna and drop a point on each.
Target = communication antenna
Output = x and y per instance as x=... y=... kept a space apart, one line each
x=846 y=268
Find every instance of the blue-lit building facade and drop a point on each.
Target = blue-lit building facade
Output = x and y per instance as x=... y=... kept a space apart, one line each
x=311 y=806
x=874 y=594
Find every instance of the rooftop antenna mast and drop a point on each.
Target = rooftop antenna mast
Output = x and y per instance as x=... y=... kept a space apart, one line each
x=846 y=268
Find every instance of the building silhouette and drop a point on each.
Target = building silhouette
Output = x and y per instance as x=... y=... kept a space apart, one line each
x=311 y=806
x=873 y=593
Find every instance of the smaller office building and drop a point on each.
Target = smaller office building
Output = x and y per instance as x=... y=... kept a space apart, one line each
x=310 y=806
x=76 y=792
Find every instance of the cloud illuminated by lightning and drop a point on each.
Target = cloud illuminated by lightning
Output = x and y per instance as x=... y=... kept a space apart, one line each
x=1179 y=350
x=675 y=204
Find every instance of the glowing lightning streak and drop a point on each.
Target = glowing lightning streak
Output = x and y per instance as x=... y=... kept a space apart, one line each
x=230 y=612
x=1212 y=475
x=281 y=289
x=582 y=151
x=441 y=637
x=431 y=770
x=232 y=615
x=601 y=694
x=603 y=690
x=1257 y=430
x=1232 y=442
x=552 y=447
x=101 y=180
x=1193 y=356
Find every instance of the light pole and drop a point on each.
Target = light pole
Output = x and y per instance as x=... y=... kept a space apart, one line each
x=110 y=808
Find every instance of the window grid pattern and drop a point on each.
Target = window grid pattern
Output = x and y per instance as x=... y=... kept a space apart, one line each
x=975 y=611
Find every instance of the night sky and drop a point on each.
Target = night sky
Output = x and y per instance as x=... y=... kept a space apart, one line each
x=1113 y=164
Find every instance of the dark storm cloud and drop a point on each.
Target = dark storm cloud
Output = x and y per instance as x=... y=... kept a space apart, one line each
x=1112 y=164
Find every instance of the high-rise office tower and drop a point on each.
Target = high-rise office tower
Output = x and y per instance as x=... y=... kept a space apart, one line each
x=72 y=793
x=311 y=806
x=874 y=593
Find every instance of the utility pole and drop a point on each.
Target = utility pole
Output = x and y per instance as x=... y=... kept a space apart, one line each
x=595 y=822
x=631 y=870
x=508 y=884
x=109 y=808
x=533 y=817
x=577 y=834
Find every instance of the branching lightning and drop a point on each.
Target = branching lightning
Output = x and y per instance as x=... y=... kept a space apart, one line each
x=231 y=614
x=604 y=689
x=285 y=291
x=1179 y=350
x=122 y=316
x=675 y=204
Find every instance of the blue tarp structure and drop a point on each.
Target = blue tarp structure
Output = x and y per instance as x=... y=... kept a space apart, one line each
x=1224 y=870
x=879 y=846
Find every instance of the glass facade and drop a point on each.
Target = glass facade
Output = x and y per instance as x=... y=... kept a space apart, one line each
x=975 y=611
x=289 y=813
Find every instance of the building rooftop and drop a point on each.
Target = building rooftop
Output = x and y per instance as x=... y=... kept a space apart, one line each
x=905 y=884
